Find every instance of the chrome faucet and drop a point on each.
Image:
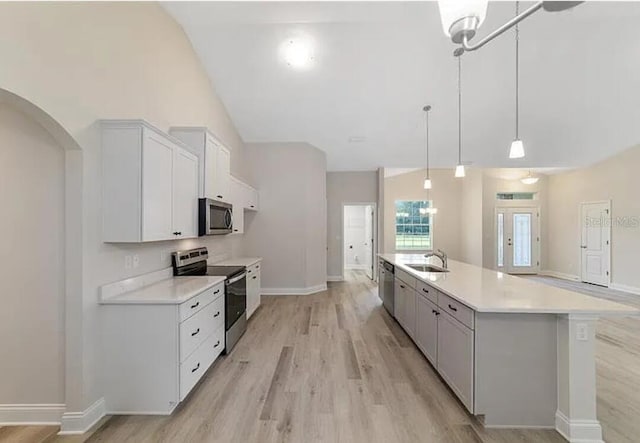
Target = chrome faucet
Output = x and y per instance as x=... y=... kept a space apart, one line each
x=440 y=254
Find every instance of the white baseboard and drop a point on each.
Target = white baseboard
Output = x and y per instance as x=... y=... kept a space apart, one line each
x=356 y=267
x=335 y=278
x=31 y=414
x=578 y=431
x=81 y=422
x=625 y=288
x=561 y=275
x=294 y=291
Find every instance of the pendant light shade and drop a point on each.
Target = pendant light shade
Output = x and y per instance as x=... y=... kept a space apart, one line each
x=460 y=171
x=467 y=16
x=517 y=149
x=427 y=183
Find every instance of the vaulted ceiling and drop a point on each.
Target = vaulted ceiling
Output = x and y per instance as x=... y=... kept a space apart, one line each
x=376 y=65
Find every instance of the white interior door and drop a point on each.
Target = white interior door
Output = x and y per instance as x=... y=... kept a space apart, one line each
x=596 y=239
x=518 y=243
x=368 y=240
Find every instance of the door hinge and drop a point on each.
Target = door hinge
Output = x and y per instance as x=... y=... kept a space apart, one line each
x=607 y=273
x=538 y=264
x=537 y=238
x=607 y=241
x=606 y=211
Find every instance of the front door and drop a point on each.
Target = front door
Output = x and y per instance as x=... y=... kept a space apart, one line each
x=517 y=240
x=594 y=248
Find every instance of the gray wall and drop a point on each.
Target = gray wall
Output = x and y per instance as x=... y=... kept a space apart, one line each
x=345 y=187
x=289 y=230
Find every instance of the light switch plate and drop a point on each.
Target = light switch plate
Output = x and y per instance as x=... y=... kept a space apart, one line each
x=582 y=332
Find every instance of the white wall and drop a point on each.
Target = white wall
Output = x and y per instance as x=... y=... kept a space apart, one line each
x=445 y=196
x=354 y=237
x=81 y=62
x=32 y=262
x=345 y=187
x=289 y=231
x=471 y=217
x=614 y=179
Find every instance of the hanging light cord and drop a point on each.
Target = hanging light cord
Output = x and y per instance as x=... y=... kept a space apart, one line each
x=459 y=113
x=427 y=131
x=517 y=74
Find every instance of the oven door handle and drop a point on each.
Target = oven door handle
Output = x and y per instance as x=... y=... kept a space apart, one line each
x=235 y=279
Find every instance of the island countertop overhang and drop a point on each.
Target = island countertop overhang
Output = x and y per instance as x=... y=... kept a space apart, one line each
x=485 y=290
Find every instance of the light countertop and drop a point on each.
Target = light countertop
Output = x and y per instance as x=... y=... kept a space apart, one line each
x=173 y=291
x=240 y=261
x=485 y=290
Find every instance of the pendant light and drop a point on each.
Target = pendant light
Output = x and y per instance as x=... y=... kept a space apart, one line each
x=530 y=179
x=427 y=180
x=460 y=167
x=517 y=148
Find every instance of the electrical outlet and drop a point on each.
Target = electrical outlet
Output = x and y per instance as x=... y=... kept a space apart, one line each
x=582 y=332
x=136 y=261
x=128 y=262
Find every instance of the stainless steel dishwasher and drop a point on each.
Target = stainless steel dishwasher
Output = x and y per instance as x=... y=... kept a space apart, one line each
x=386 y=273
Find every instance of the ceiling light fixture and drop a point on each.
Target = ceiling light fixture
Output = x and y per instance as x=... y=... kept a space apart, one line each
x=297 y=52
x=460 y=167
x=530 y=179
x=462 y=18
x=427 y=180
x=517 y=147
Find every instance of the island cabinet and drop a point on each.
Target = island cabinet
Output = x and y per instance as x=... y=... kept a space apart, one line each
x=405 y=302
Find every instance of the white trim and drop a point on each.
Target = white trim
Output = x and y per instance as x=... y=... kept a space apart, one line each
x=560 y=275
x=517 y=427
x=578 y=431
x=80 y=422
x=294 y=291
x=608 y=233
x=374 y=231
x=31 y=414
x=625 y=288
x=358 y=267
x=335 y=278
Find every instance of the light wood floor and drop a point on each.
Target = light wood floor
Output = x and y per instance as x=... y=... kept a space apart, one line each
x=334 y=367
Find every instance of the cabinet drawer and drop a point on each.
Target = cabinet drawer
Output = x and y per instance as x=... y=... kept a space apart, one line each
x=253 y=268
x=199 y=326
x=190 y=307
x=427 y=291
x=457 y=310
x=194 y=367
x=405 y=277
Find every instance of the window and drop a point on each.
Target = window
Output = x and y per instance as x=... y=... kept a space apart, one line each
x=516 y=196
x=413 y=225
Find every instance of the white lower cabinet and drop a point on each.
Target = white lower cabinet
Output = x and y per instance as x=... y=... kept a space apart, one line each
x=442 y=328
x=455 y=357
x=154 y=354
x=427 y=328
x=253 y=288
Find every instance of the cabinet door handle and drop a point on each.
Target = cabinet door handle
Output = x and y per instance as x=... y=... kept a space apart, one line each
x=402 y=286
x=217 y=344
x=193 y=334
x=252 y=206
x=195 y=306
x=216 y=314
x=219 y=196
x=179 y=233
x=196 y=368
x=425 y=290
x=257 y=266
x=454 y=309
x=216 y=291
x=175 y=232
x=435 y=312
x=255 y=276
x=249 y=271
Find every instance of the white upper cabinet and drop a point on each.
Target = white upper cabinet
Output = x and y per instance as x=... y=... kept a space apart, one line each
x=215 y=162
x=150 y=184
x=185 y=166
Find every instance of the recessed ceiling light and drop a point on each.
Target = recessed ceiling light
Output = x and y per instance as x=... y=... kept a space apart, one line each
x=297 y=52
x=357 y=139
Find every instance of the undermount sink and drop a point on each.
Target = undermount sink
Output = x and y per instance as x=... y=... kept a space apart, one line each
x=426 y=268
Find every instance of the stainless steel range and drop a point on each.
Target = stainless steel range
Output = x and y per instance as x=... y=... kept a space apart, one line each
x=193 y=262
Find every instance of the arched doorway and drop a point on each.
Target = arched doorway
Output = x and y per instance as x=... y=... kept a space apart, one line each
x=41 y=287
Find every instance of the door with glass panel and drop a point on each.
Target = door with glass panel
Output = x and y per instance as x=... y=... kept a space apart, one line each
x=517 y=240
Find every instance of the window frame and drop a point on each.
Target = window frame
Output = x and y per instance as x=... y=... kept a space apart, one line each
x=430 y=226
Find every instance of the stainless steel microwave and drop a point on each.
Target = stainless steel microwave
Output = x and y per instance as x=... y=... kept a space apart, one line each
x=214 y=217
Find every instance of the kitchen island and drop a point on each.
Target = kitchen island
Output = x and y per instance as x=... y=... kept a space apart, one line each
x=517 y=353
